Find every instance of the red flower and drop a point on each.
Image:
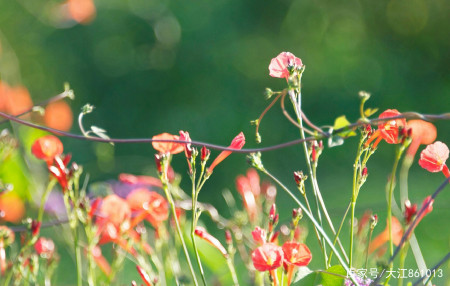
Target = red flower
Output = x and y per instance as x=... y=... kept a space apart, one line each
x=59 y=170
x=279 y=66
x=410 y=211
x=167 y=147
x=267 y=257
x=296 y=253
x=248 y=187
x=47 y=148
x=389 y=130
x=184 y=136
x=148 y=205
x=237 y=143
x=45 y=247
x=201 y=232
x=259 y=235
x=433 y=158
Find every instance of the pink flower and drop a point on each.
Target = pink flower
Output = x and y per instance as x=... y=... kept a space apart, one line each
x=433 y=158
x=279 y=66
x=237 y=143
x=267 y=257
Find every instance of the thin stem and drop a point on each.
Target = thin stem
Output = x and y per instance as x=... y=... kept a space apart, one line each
x=356 y=168
x=73 y=225
x=369 y=239
x=314 y=222
x=338 y=233
x=44 y=197
x=401 y=265
x=179 y=232
x=297 y=106
x=408 y=232
x=194 y=225
x=315 y=230
x=391 y=193
x=232 y=270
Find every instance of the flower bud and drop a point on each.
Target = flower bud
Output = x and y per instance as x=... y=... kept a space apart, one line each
x=35 y=227
x=228 y=238
x=364 y=172
x=158 y=162
x=205 y=154
x=272 y=211
x=373 y=221
x=268 y=93
x=364 y=95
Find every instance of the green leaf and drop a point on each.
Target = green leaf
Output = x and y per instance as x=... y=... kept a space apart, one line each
x=311 y=279
x=369 y=112
x=334 y=276
x=342 y=122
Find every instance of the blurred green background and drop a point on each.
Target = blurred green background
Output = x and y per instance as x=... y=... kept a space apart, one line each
x=153 y=66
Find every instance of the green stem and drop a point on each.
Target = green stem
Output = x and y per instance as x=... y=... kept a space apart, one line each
x=47 y=191
x=401 y=266
x=232 y=270
x=314 y=222
x=73 y=225
x=338 y=233
x=315 y=230
x=194 y=225
x=297 y=108
x=369 y=239
x=355 y=192
x=179 y=232
x=391 y=192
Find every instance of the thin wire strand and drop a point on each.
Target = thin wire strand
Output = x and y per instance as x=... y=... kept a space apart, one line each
x=407 y=115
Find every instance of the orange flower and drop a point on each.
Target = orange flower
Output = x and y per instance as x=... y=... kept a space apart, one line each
x=144 y=180
x=12 y=208
x=422 y=132
x=433 y=158
x=389 y=131
x=82 y=11
x=237 y=143
x=114 y=211
x=148 y=205
x=382 y=238
x=47 y=148
x=14 y=100
x=244 y=188
x=58 y=115
x=100 y=260
x=167 y=147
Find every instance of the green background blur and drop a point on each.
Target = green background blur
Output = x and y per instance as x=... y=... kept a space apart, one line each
x=153 y=66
